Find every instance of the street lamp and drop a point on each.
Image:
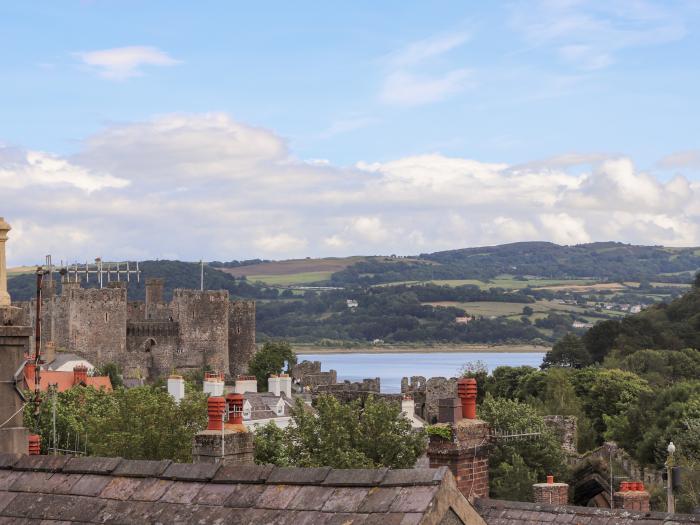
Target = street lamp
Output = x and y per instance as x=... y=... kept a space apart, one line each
x=671 y=503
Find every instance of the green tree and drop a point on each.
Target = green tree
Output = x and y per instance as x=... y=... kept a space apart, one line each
x=528 y=311
x=270 y=446
x=600 y=339
x=541 y=455
x=270 y=360
x=111 y=370
x=344 y=436
x=568 y=352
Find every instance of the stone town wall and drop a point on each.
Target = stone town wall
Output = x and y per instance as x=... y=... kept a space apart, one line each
x=151 y=348
x=366 y=385
x=97 y=323
x=565 y=428
x=202 y=317
x=304 y=368
x=241 y=336
x=427 y=394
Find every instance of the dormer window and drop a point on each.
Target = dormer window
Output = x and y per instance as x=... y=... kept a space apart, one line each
x=247 y=410
x=280 y=408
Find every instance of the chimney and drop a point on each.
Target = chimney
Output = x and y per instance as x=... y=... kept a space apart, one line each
x=286 y=385
x=466 y=390
x=273 y=384
x=34 y=444
x=213 y=384
x=632 y=496
x=245 y=384
x=79 y=374
x=551 y=493
x=466 y=452
x=230 y=443
x=30 y=374
x=15 y=340
x=50 y=351
x=176 y=387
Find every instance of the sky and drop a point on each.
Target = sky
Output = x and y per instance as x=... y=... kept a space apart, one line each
x=234 y=130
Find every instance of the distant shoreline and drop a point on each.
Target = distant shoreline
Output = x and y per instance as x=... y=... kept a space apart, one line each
x=434 y=349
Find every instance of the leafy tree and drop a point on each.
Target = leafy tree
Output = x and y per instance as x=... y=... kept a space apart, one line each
x=270 y=360
x=600 y=339
x=344 y=436
x=528 y=311
x=659 y=367
x=505 y=381
x=270 y=448
x=541 y=455
x=568 y=352
x=111 y=370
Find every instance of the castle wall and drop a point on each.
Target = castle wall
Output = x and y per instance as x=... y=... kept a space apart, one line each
x=151 y=348
x=97 y=323
x=202 y=317
x=241 y=336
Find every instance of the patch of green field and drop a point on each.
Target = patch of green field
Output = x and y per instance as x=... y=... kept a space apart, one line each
x=486 y=308
x=19 y=270
x=293 y=278
x=506 y=282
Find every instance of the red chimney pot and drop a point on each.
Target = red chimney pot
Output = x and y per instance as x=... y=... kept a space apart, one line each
x=79 y=374
x=34 y=444
x=550 y=480
x=466 y=390
x=215 y=409
x=235 y=408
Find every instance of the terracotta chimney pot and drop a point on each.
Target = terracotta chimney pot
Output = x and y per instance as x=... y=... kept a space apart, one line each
x=34 y=444
x=79 y=374
x=466 y=390
x=215 y=410
x=550 y=480
x=235 y=408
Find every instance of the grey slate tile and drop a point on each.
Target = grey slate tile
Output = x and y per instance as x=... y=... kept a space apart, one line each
x=191 y=471
x=32 y=482
x=6 y=498
x=414 y=499
x=345 y=499
x=90 y=485
x=355 y=477
x=120 y=488
x=277 y=496
x=63 y=483
x=141 y=468
x=342 y=518
x=243 y=474
x=41 y=463
x=75 y=508
x=379 y=499
x=91 y=465
x=215 y=494
x=412 y=477
x=7 y=478
x=244 y=496
x=310 y=498
x=298 y=476
x=151 y=489
x=181 y=492
x=7 y=459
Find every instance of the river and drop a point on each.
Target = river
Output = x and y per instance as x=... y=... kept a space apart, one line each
x=392 y=367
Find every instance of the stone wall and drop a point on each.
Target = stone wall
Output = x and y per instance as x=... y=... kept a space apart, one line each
x=241 y=336
x=304 y=368
x=97 y=323
x=427 y=394
x=151 y=349
x=565 y=428
x=203 y=323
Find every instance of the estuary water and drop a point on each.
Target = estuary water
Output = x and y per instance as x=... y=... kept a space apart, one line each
x=392 y=367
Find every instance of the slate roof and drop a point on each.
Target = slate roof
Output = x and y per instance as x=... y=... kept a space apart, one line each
x=498 y=512
x=113 y=490
x=263 y=405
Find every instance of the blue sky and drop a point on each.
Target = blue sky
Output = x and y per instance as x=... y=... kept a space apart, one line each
x=570 y=100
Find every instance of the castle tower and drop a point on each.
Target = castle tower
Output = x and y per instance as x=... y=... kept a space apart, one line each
x=4 y=296
x=154 y=290
x=241 y=336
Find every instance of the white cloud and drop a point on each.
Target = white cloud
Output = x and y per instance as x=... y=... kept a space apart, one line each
x=191 y=186
x=410 y=82
x=590 y=35
x=681 y=159
x=120 y=63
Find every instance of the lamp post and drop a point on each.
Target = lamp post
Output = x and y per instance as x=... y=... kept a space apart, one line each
x=671 y=502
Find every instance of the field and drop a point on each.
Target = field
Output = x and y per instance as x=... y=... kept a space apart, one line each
x=19 y=270
x=291 y=279
x=489 y=308
x=507 y=282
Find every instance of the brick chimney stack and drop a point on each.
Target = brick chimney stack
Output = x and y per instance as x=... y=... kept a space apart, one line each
x=551 y=493
x=79 y=374
x=466 y=453
x=227 y=442
x=632 y=496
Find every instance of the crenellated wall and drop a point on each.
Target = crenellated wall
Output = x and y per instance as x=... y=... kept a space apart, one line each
x=241 y=336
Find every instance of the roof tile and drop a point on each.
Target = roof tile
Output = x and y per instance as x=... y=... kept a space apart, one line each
x=191 y=471
x=355 y=477
x=411 y=518
x=141 y=468
x=183 y=492
x=342 y=518
x=91 y=465
x=25 y=505
x=345 y=499
x=243 y=474
x=63 y=483
x=120 y=488
x=298 y=476
x=311 y=498
x=75 y=508
x=392 y=518
x=6 y=498
x=214 y=494
x=244 y=496
x=411 y=477
x=41 y=463
x=121 y=512
x=90 y=485
x=277 y=496
x=379 y=499
x=32 y=482
x=7 y=478
x=414 y=499
x=7 y=459
x=151 y=489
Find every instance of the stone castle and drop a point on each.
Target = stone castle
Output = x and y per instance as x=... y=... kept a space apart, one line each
x=147 y=339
